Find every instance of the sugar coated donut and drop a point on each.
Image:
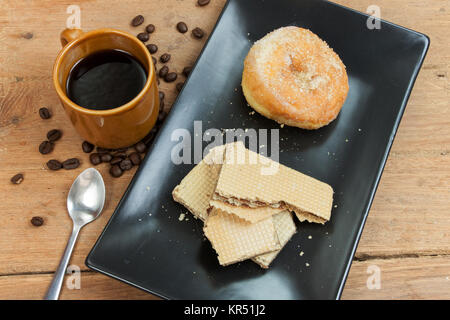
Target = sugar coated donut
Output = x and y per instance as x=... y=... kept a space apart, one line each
x=293 y=77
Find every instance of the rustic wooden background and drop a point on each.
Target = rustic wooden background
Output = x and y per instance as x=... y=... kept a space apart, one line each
x=407 y=234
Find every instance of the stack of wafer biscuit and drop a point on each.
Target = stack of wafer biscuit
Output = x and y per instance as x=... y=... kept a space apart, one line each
x=245 y=201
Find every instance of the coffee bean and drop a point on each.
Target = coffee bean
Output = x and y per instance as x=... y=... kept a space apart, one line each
x=115 y=160
x=187 y=71
x=152 y=48
x=37 y=221
x=140 y=147
x=137 y=21
x=148 y=140
x=198 y=33
x=95 y=158
x=182 y=27
x=164 y=58
x=102 y=150
x=202 y=3
x=135 y=158
x=126 y=164
x=54 y=135
x=87 y=147
x=170 y=77
x=54 y=164
x=150 y=28
x=179 y=86
x=120 y=150
x=161 y=116
x=106 y=157
x=17 y=179
x=70 y=164
x=150 y=136
x=27 y=35
x=120 y=155
x=46 y=147
x=45 y=113
x=163 y=71
x=143 y=36
x=115 y=171
x=161 y=95
x=154 y=61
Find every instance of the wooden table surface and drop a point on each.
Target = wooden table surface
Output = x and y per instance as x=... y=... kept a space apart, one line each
x=407 y=234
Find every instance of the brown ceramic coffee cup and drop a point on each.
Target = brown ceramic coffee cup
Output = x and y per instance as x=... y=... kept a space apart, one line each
x=111 y=128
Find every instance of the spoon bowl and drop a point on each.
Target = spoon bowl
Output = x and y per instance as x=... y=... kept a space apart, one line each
x=86 y=197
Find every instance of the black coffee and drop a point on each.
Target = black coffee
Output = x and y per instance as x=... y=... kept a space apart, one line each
x=105 y=80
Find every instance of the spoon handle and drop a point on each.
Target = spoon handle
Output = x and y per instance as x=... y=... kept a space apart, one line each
x=55 y=287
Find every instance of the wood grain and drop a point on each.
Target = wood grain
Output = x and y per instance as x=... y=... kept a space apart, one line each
x=401 y=278
x=92 y=286
x=407 y=278
x=408 y=230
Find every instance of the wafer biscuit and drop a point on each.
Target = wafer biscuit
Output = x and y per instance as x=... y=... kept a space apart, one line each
x=197 y=187
x=235 y=240
x=309 y=198
x=248 y=214
x=285 y=228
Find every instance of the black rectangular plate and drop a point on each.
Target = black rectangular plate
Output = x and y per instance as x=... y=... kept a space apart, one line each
x=145 y=245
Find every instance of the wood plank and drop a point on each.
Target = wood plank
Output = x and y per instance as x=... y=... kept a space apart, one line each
x=403 y=278
x=409 y=214
x=92 y=286
x=410 y=278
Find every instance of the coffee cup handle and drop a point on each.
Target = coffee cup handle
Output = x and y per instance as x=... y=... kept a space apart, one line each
x=68 y=35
